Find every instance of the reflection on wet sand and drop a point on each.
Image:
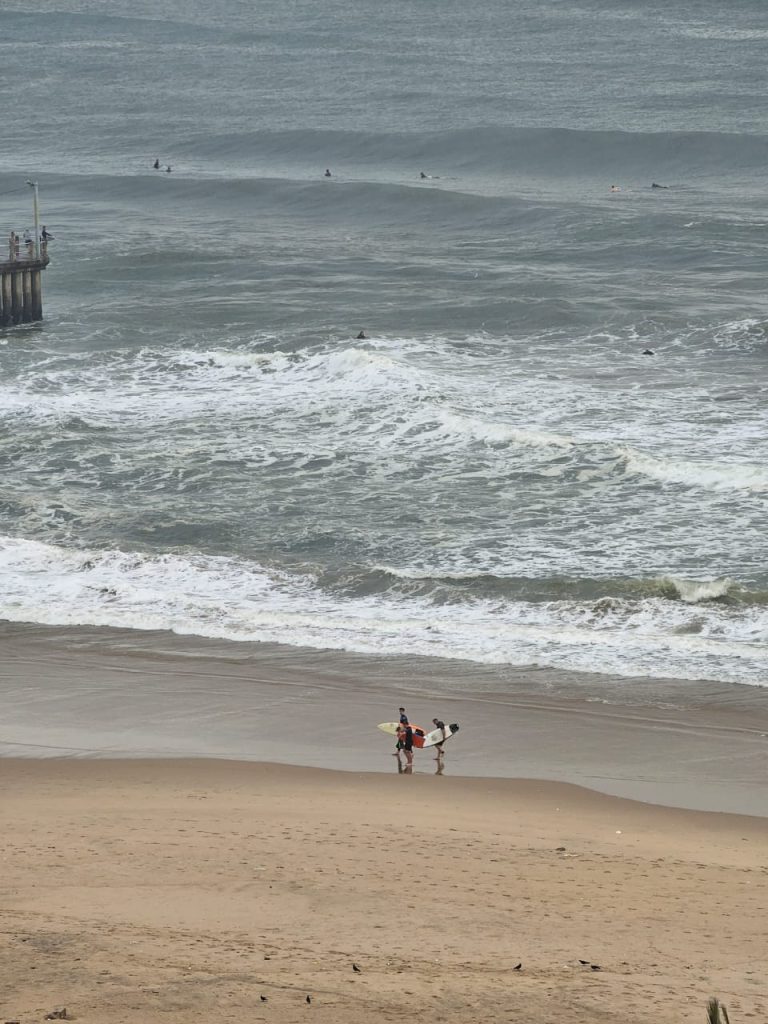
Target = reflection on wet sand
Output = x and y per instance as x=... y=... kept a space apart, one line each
x=407 y=769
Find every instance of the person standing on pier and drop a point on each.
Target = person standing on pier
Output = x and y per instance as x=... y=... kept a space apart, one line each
x=12 y=246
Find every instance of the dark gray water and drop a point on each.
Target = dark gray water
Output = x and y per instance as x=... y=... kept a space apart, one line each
x=194 y=439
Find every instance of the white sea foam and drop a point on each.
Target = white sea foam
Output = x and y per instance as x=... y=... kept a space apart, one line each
x=500 y=433
x=693 y=591
x=708 y=475
x=472 y=454
x=236 y=600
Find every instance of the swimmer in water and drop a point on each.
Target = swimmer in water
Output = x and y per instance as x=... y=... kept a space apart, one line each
x=615 y=188
x=327 y=173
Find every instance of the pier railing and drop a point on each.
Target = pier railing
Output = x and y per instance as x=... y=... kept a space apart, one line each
x=24 y=251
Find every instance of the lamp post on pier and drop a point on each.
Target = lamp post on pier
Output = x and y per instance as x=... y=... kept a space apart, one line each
x=36 y=213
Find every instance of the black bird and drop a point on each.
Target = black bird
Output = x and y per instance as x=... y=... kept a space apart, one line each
x=584 y=962
x=518 y=968
x=263 y=999
x=356 y=969
x=309 y=999
x=595 y=967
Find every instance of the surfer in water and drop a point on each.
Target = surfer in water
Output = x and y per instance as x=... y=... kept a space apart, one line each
x=156 y=164
x=327 y=173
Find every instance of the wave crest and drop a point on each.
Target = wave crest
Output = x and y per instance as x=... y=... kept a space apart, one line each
x=709 y=475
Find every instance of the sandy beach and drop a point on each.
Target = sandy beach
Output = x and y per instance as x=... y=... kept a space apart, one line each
x=175 y=890
x=160 y=865
x=88 y=692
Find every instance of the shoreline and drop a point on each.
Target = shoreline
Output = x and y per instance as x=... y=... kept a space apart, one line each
x=153 y=890
x=99 y=693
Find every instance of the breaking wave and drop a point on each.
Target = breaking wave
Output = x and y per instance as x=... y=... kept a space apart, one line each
x=711 y=476
x=233 y=599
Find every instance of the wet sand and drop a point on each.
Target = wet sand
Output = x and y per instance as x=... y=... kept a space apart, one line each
x=174 y=890
x=86 y=692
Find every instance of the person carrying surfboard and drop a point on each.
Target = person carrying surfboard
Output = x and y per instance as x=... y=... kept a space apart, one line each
x=398 y=744
x=407 y=734
x=439 y=746
x=400 y=734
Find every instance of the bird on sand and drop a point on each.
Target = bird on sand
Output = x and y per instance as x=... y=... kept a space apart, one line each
x=584 y=963
x=356 y=968
x=309 y=1000
x=519 y=967
x=595 y=967
x=263 y=999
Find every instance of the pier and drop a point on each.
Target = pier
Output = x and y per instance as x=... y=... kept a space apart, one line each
x=21 y=292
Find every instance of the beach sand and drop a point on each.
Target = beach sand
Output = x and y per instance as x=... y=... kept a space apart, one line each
x=159 y=865
x=176 y=890
x=84 y=691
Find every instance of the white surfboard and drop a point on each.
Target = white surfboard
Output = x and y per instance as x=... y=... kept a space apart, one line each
x=421 y=738
x=436 y=736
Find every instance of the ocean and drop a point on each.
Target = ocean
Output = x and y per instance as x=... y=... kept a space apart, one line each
x=196 y=439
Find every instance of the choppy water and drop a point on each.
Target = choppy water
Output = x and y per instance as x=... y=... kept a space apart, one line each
x=195 y=440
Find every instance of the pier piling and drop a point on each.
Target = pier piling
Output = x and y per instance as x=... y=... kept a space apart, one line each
x=21 y=292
